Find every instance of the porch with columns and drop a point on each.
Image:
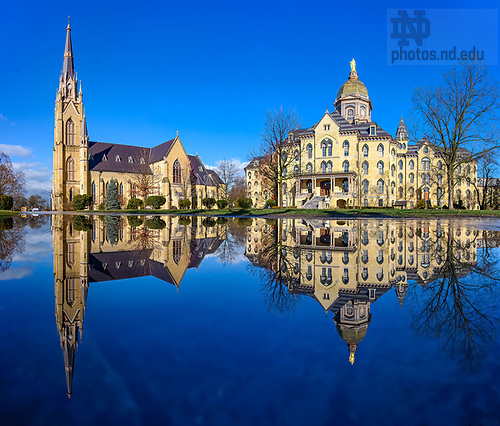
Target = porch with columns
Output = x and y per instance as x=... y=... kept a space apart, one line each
x=339 y=187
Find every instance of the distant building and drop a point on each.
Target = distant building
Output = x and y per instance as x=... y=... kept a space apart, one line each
x=347 y=160
x=82 y=166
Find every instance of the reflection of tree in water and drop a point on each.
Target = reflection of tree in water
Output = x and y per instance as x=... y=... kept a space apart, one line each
x=11 y=240
x=111 y=224
x=275 y=271
x=233 y=238
x=142 y=237
x=457 y=304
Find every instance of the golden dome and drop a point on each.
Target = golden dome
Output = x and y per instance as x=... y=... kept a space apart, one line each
x=353 y=86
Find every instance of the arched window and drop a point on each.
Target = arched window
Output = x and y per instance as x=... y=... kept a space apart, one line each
x=411 y=191
x=439 y=165
x=70 y=132
x=323 y=167
x=459 y=170
x=265 y=195
x=380 y=186
x=400 y=164
x=467 y=195
x=426 y=164
x=296 y=155
x=439 y=193
x=365 y=187
x=365 y=167
x=177 y=171
x=350 y=114
x=121 y=190
x=93 y=191
x=440 y=179
x=400 y=178
x=392 y=154
x=309 y=168
x=309 y=151
x=411 y=164
x=329 y=146
x=365 y=150
x=249 y=175
x=296 y=170
x=459 y=194
x=426 y=150
x=346 y=166
x=393 y=185
x=70 y=169
x=71 y=194
x=393 y=170
x=346 y=148
x=411 y=177
x=329 y=167
x=400 y=190
x=323 y=149
x=380 y=166
x=380 y=150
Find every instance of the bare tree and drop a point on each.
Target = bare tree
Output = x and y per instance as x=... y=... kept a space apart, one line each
x=457 y=118
x=238 y=189
x=487 y=166
x=228 y=173
x=144 y=181
x=11 y=182
x=277 y=150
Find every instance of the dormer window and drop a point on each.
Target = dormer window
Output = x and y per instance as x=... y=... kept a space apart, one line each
x=91 y=157
x=104 y=158
x=142 y=161
x=326 y=127
x=130 y=160
x=373 y=130
x=200 y=169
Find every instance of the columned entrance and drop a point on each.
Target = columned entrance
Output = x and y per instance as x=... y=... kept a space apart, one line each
x=325 y=188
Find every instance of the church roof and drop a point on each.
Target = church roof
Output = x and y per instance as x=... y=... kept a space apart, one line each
x=215 y=177
x=199 y=171
x=112 y=157
x=158 y=152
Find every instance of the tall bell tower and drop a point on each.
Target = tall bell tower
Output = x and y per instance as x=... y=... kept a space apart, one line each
x=71 y=173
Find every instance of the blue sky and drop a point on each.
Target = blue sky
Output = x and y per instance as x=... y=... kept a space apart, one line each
x=210 y=70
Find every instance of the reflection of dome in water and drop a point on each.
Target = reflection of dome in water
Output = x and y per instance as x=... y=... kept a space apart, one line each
x=352 y=336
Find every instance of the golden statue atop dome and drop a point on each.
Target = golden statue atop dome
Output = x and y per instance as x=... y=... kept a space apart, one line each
x=353 y=65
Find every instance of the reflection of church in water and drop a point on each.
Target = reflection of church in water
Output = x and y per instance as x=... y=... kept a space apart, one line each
x=114 y=249
x=348 y=265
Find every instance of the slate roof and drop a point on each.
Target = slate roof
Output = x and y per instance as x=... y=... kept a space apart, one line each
x=158 y=152
x=97 y=151
x=215 y=177
x=100 y=150
x=364 y=130
x=202 y=177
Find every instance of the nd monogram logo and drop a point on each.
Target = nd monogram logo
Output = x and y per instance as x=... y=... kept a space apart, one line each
x=416 y=28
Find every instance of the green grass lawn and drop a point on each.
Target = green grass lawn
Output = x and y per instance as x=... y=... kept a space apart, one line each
x=7 y=213
x=288 y=212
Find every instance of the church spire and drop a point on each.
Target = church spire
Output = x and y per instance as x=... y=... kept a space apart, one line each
x=68 y=67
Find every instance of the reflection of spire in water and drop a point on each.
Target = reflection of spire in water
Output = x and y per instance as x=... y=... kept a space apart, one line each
x=352 y=350
x=85 y=257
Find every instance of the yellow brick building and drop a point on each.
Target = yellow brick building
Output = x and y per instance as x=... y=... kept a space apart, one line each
x=82 y=166
x=347 y=160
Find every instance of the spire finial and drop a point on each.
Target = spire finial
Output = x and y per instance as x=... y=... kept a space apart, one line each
x=68 y=21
